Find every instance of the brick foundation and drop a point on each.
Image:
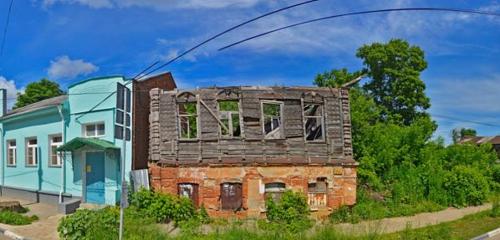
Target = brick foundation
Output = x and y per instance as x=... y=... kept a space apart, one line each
x=341 y=184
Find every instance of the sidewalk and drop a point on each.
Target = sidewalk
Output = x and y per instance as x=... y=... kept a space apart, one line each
x=44 y=229
x=390 y=225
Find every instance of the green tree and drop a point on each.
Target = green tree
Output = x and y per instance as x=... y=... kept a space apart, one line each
x=336 y=77
x=38 y=91
x=459 y=133
x=394 y=69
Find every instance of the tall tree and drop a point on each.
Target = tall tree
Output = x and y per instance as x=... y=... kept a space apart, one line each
x=394 y=69
x=38 y=91
x=459 y=133
x=336 y=77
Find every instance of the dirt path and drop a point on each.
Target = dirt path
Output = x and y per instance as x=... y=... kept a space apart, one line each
x=389 y=225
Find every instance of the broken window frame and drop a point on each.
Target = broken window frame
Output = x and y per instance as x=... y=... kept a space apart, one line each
x=188 y=115
x=317 y=197
x=274 y=190
x=231 y=203
x=192 y=195
x=320 y=118
x=281 y=105
x=230 y=115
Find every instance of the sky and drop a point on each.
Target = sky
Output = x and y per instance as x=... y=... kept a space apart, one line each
x=71 y=40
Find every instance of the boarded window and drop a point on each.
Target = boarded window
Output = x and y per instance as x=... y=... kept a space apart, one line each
x=231 y=196
x=275 y=191
x=188 y=120
x=313 y=122
x=189 y=190
x=229 y=114
x=272 y=119
x=317 y=193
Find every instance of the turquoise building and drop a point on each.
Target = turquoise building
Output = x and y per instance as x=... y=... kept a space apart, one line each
x=69 y=147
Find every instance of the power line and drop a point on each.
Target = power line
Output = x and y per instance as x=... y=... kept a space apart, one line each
x=6 y=27
x=220 y=34
x=465 y=120
x=359 y=13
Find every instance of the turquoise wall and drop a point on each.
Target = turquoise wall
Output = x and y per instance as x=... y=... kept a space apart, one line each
x=90 y=101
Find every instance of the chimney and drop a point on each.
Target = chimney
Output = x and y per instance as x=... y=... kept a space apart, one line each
x=3 y=101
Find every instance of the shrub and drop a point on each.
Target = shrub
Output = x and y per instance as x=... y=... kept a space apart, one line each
x=14 y=218
x=466 y=186
x=88 y=224
x=495 y=208
x=292 y=211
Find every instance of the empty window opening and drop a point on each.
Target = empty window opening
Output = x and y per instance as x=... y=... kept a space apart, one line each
x=313 y=122
x=189 y=190
x=272 y=119
x=231 y=196
x=229 y=114
x=274 y=191
x=317 y=193
x=188 y=120
x=31 y=152
x=55 y=158
x=11 y=152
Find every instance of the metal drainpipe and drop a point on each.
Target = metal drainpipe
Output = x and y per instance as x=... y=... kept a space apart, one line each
x=59 y=108
x=3 y=160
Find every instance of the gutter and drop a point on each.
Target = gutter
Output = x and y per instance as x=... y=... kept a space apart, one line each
x=63 y=154
x=3 y=160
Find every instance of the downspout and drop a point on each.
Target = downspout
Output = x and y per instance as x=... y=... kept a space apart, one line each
x=3 y=161
x=63 y=154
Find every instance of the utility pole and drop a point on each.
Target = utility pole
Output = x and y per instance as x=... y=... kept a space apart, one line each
x=123 y=196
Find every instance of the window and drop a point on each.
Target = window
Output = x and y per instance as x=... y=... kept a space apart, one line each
x=272 y=119
x=11 y=152
x=274 y=191
x=317 y=193
x=94 y=130
x=188 y=120
x=189 y=190
x=31 y=152
x=229 y=115
x=313 y=122
x=231 y=196
x=55 y=142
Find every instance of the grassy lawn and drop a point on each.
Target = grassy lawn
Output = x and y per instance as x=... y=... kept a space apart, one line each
x=465 y=228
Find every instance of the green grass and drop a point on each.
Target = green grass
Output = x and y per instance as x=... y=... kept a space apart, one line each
x=13 y=218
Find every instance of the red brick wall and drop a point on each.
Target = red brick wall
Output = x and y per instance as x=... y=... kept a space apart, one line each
x=341 y=184
x=140 y=117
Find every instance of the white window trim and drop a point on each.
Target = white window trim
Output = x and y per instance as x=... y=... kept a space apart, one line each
x=84 y=129
x=14 y=156
x=52 y=144
x=323 y=137
x=262 y=117
x=35 y=152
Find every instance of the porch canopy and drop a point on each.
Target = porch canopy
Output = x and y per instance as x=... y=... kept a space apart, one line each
x=94 y=143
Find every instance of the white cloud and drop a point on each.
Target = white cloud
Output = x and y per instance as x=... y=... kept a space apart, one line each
x=64 y=67
x=12 y=90
x=89 y=3
x=159 y=4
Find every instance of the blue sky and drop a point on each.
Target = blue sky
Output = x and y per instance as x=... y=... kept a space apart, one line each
x=71 y=40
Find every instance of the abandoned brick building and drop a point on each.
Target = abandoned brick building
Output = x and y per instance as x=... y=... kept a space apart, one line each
x=231 y=148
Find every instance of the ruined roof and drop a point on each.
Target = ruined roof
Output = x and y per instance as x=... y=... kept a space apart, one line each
x=47 y=103
x=495 y=140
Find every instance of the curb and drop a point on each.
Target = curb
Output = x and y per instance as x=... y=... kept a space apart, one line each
x=488 y=234
x=11 y=235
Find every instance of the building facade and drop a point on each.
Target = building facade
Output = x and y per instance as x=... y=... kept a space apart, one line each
x=229 y=149
x=69 y=147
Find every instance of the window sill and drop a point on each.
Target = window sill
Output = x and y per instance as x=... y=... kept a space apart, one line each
x=11 y=165
x=189 y=140
x=31 y=166
x=316 y=142
x=54 y=166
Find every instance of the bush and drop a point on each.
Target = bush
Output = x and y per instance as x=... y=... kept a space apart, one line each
x=466 y=186
x=14 y=218
x=163 y=207
x=291 y=211
x=495 y=208
x=103 y=224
